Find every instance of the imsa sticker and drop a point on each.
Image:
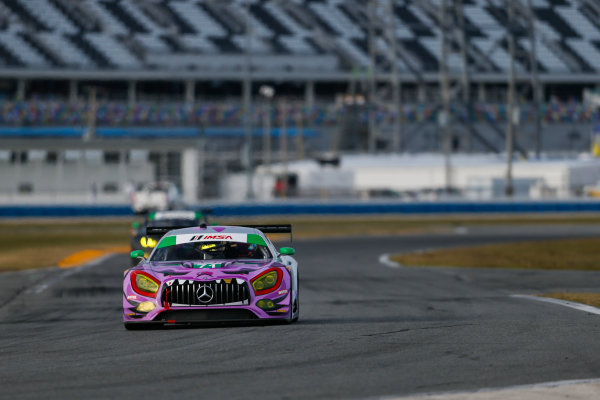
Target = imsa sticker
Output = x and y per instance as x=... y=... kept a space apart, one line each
x=229 y=237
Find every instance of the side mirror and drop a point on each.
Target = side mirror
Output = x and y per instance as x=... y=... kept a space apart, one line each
x=287 y=251
x=137 y=254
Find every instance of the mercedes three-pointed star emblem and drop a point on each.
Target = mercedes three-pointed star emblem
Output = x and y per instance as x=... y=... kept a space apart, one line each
x=205 y=294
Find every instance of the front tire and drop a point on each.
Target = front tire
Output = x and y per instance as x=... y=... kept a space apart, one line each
x=296 y=304
x=296 y=308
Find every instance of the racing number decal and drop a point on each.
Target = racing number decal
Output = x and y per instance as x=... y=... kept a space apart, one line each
x=208 y=266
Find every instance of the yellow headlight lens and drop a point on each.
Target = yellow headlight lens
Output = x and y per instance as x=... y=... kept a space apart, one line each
x=266 y=281
x=146 y=306
x=270 y=279
x=266 y=305
x=146 y=284
x=148 y=242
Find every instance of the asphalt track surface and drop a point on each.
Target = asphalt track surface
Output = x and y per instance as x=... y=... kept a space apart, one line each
x=365 y=331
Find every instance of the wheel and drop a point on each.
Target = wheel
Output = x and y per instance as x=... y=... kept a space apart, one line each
x=296 y=307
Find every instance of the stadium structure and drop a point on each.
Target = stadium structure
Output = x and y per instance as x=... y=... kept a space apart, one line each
x=97 y=95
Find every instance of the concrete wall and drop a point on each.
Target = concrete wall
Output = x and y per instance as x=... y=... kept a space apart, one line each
x=82 y=180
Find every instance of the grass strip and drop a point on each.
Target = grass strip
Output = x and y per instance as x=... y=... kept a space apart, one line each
x=560 y=254
x=39 y=243
x=563 y=254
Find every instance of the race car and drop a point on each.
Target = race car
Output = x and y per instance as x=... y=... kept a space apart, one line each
x=156 y=196
x=175 y=218
x=210 y=274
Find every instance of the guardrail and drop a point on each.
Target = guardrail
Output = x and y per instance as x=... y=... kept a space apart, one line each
x=304 y=208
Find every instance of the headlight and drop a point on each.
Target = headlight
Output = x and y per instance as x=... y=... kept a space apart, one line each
x=147 y=242
x=267 y=281
x=144 y=283
x=266 y=305
x=146 y=306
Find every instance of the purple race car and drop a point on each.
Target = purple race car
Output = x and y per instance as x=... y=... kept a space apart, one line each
x=212 y=274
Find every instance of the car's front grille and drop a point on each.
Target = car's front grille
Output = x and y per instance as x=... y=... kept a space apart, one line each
x=207 y=293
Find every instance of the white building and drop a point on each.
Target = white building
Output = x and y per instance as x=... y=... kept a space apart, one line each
x=421 y=176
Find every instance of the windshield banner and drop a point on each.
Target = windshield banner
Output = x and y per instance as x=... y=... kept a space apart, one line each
x=224 y=237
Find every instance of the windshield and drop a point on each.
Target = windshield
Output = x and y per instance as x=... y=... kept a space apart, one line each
x=211 y=250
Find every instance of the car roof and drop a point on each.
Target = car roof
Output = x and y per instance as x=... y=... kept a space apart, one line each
x=220 y=229
x=174 y=214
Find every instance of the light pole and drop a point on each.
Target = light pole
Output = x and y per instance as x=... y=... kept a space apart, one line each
x=284 y=145
x=267 y=92
x=510 y=130
x=247 y=96
x=372 y=79
x=90 y=132
x=444 y=116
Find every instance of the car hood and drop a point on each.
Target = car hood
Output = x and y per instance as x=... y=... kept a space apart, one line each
x=208 y=267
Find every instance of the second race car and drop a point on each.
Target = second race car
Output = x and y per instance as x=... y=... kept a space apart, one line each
x=140 y=240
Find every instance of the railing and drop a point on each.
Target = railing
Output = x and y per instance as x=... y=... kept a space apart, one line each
x=36 y=113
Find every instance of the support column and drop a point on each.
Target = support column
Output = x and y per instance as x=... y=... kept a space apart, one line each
x=421 y=93
x=21 y=88
x=535 y=81
x=466 y=78
x=395 y=81
x=190 y=92
x=247 y=101
x=131 y=93
x=60 y=156
x=201 y=168
x=163 y=168
x=481 y=93
x=300 y=134
x=189 y=175
x=122 y=168
x=284 y=145
x=73 y=91
x=445 y=92
x=90 y=132
x=510 y=107
x=18 y=173
x=309 y=95
x=309 y=103
x=267 y=131
x=371 y=140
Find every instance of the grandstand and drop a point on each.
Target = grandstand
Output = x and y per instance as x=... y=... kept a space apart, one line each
x=295 y=40
x=163 y=77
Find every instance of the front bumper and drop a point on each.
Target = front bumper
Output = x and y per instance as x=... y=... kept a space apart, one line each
x=234 y=300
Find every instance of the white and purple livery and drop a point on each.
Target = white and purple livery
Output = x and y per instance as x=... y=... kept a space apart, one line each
x=212 y=274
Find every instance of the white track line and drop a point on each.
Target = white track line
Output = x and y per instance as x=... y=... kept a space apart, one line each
x=582 y=389
x=565 y=303
x=387 y=261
